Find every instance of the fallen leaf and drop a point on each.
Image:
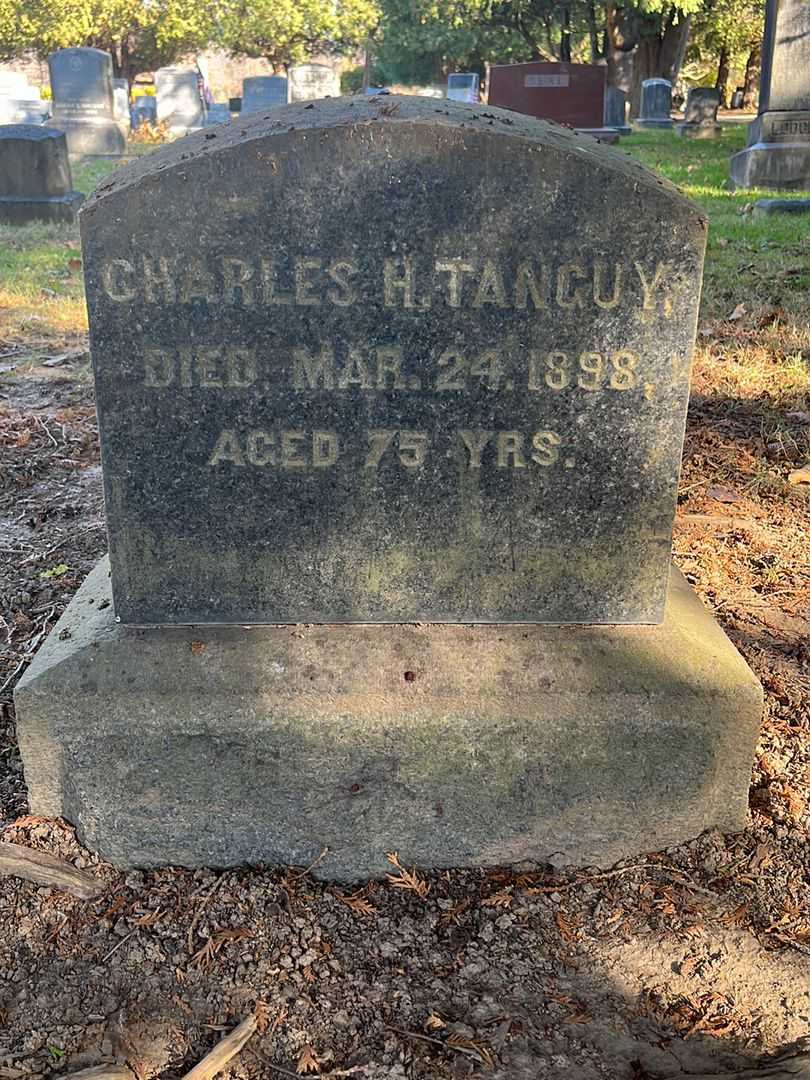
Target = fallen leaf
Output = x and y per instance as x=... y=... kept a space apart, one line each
x=307 y=1062
x=737 y=313
x=723 y=495
x=74 y=264
x=198 y=647
x=800 y=476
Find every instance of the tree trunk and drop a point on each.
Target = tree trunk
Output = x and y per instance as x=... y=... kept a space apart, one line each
x=621 y=39
x=593 y=33
x=721 y=82
x=565 y=36
x=751 y=81
x=659 y=54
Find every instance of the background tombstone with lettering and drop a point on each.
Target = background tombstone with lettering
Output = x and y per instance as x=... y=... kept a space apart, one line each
x=308 y=82
x=179 y=101
x=463 y=86
x=20 y=103
x=778 y=152
x=263 y=92
x=396 y=408
x=35 y=180
x=616 y=110
x=656 y=104
x=571 y=94
x=83 y=107
x=700 y=114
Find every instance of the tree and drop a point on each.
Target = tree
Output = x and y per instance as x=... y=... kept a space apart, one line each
x=287 y=31
x=730 y=31
x=139 y=34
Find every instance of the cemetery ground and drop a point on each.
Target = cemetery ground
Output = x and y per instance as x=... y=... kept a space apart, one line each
x=684 y=962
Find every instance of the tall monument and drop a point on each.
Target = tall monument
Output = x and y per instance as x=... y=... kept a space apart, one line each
x=778 y=152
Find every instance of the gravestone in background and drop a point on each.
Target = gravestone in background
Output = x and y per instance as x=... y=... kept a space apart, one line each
x=121 y=102
x=571 y=94
x=700 y=114
x=308 y=82
x=179 y=104
x=35 y=181
x=217 y=113
x=377 y=400
x=82 y=88
x=20 y=103
x=143 y=110
x=463 y=86
x=263 y=92
x=656 y=104
x=778 y=152
x=616 y=110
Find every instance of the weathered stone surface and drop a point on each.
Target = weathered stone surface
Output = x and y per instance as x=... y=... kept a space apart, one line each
x=263 y=92
x=179 y=104
x=778 y=152
x=700 y=114
x=35 y=181
x=656 y=104
x=463 y=86
x=449 y=385
x=308 y=82
x=82 y=87
x=453 y=745
x=616 y=110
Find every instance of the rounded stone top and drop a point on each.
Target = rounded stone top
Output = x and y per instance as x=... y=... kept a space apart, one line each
x=654 y=82
x=30 y=132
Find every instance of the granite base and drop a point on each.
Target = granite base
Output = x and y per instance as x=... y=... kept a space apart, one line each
x=452 y=745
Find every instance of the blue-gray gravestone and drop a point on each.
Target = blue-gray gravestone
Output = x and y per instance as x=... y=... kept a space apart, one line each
x=463 y=86
x=217 y=112
x=179 y=103
x=374 y=399
x=778 y=152
x=143 y=111
x=308 y=82
x=656 y=104
x=35 y=181
x=700 y=114
x=263 y=92
x=616 y=110
x=82 y=88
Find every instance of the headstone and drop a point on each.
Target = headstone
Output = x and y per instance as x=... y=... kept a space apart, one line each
x=179 y=103
x=463 y=86
x=143 y=111
x=656 y=104
x=308 y=82
x=121 y=101
x=778 y=152
x=82 y=88
x=571 y=94
x=737 y=98
x=217 y=113
x=374 y=400
x=35 y=181
x=235 y=104
x=700 y=114
x=616 y=110
x=19 y=102
x=263 y=92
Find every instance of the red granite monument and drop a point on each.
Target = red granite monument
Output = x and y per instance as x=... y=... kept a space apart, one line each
x=572 y=94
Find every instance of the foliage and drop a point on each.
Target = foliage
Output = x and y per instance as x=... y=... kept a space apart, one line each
x=287 y=31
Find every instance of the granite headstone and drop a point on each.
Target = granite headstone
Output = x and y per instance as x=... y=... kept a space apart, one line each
x=375 y=375
x=656 y=104
x=778 y=152
x=700 y=114
x=572 y=94
x=463 y=86
x=35 y=180
x=179 y=101
x=263 y=92
x=83 y=106
x=121 y=101
x=20 y=103
x=217 y=112
x=449 y=383
x=616 y=110
x=143 y=110
x=308 y=82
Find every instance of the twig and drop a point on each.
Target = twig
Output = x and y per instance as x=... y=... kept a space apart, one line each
x=102 y=1072
x=312 y=865
x=223 y=1052
x=201 y=909
x=435 y=1042
x=45 y=869
x=118 y=945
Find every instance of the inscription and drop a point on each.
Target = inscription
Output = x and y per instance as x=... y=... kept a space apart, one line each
x=531 y=81
x=408 y=283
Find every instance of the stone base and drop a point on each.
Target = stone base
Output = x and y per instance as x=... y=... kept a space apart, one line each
x=699 y=131
x=452 y=745
x=644 y=123
x=781 y=166
x=608 y=135
x=768 y=207
x=56 y=208
x=96 y=138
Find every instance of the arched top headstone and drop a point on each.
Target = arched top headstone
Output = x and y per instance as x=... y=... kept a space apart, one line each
x=179 y=101
x=35 y=179
x=308 y=82
x=450 y=384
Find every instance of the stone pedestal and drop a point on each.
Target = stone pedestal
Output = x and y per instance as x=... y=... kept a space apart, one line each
x=777 y=156
x=35 y=180
x=453 y=745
